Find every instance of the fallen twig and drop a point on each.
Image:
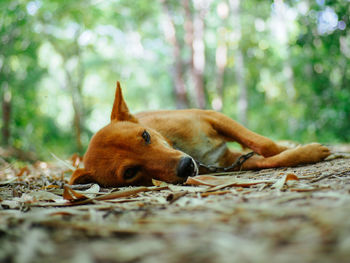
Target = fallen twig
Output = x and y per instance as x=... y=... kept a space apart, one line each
x=329 y=175
x=307 y=189
x=172 y=197
x=215 y=193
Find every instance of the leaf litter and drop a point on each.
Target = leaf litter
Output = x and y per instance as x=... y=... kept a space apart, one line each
x=272 y=215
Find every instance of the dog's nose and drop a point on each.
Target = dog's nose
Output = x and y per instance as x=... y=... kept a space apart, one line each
x=186 y=167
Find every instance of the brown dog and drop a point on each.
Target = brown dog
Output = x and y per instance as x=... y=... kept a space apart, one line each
x=131 y=150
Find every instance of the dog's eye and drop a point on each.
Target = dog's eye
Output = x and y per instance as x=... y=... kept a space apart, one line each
x=131 y=172
x=146 y=137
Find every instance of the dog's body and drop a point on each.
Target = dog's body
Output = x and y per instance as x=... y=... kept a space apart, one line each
x=132 y=150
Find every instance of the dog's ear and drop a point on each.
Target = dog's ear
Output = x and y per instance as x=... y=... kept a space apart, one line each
x=81 y=176
x=120 y=111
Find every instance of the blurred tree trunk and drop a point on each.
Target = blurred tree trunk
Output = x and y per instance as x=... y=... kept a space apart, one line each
x=221 y=55
x=5 y=75
x=78 y=107
x=287 y=67
x=177 y=72
x=221 y=59
x=77 y=95
x=74 y=83
x=242 y=105
x=242 y=88
x=194 y=30
x=6 y=114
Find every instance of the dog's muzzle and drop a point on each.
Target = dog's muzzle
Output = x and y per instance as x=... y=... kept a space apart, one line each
x=187 y=167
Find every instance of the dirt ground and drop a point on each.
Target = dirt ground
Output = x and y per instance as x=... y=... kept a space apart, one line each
x=275 y=215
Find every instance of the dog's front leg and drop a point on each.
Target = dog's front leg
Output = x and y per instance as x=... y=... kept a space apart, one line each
x=233 y=131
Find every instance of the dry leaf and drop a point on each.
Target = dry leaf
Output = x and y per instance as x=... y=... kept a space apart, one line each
x=187 y=188
x=158 y=183
x=71 y=195
x=24 y=170
x=44 y=196
x=336 y=155
x=223 y=181
x=129 y=192
x=35 y=198
x=90 y=192
x=285 y=178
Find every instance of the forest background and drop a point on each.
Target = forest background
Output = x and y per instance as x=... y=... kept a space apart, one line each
x=279 y=67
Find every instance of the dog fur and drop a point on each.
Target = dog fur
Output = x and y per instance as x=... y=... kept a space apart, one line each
x=162 y=145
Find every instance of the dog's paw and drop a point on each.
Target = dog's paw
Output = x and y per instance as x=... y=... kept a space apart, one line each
x=306 y=154
x=313 y=152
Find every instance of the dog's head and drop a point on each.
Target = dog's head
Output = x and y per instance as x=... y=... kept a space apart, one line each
x=125 y=152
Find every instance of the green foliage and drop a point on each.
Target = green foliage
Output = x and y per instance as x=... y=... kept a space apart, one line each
x=20 y=71
x=48 y=47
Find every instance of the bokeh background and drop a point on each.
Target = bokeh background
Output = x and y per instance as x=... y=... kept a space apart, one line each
x=279 y=67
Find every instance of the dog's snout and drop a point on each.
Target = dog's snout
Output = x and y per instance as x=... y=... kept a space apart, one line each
x=186 y=167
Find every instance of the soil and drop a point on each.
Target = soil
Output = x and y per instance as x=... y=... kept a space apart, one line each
x=296 y=214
